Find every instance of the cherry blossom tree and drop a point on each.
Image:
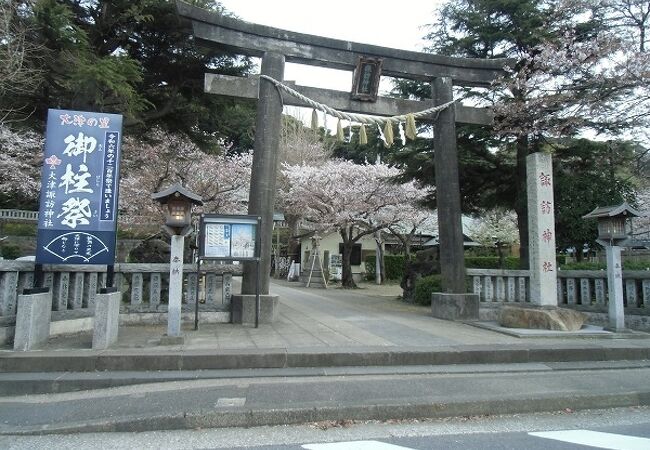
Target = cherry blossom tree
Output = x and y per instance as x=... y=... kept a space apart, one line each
x=21 y=157
x=572 y=84
x=630 y=18
x=298 y=145
x=302 y=145
x=496 y=228
x=160 y=159
x=21 y=70
x=416 y=219
x=641 y=225
x=354 y=200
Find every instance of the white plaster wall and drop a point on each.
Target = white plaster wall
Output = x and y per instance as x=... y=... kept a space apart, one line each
x=331 y=243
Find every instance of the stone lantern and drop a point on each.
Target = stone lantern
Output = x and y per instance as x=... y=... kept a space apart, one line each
x=614 y=229
x=178 y=223
x=614 y=226
x=179 y=201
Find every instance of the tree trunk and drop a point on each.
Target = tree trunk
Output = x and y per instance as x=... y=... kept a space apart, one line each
x=502 y=257
x=642 y=39
x=521 y=201
x=380 y=261
x=579 y=254
x=293 y=244
x=347 y=281
x=406 y=244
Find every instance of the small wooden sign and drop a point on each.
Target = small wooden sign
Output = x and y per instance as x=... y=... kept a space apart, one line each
x=366 y=79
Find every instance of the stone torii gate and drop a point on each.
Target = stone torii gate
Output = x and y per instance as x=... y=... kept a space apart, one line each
x=275 y=46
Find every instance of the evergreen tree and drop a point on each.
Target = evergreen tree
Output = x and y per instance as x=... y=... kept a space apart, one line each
x=588 y=174
x=133 y=57
x=557 y=87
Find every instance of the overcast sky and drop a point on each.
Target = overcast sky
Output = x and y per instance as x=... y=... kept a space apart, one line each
x=395 y=24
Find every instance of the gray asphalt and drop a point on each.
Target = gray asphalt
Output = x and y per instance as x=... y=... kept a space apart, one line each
x=283 y=400
x=491 y=429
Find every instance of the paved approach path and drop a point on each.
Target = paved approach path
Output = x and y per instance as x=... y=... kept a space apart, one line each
x=360 y=317
x=319 y=319
x=327 y=320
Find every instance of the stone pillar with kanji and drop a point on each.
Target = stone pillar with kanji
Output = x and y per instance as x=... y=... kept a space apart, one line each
x=541 y=226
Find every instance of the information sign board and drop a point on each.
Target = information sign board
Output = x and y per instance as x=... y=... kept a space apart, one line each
x=79 y=188
x=229 y=237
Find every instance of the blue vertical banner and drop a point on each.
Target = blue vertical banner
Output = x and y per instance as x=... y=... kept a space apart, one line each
x=77 y=218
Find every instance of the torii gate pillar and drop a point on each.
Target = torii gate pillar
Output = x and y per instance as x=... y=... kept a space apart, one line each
x=450 y=228
x=261 y=199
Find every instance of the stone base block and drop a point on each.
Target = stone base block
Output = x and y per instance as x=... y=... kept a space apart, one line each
x=107 y=319
x=454 y=306
x=541 y=318
x=243 y=309
x=33 y=321
x=172 y=340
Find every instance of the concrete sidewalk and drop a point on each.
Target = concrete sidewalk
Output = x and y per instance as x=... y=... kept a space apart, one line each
x=329 y=320
x=369 y=326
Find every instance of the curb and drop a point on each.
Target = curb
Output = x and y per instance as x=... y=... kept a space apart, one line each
x=12 y=385
x=269 y=417
x=273 y=358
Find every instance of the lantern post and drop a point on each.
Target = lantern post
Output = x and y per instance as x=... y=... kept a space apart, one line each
x=614 y=230
x=178 y=224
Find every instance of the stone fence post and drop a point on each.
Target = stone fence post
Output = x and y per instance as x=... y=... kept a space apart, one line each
x=33 y=321
x=107 y=318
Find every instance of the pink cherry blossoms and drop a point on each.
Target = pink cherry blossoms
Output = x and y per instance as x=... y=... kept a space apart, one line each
x=153 y=164
x=351 y=199
x=21 y=156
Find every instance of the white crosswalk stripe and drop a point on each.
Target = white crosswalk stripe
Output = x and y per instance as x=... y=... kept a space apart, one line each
x=597 y=439
x=355 y=445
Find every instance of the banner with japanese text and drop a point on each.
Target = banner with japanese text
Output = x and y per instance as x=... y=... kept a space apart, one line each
x=79 y=188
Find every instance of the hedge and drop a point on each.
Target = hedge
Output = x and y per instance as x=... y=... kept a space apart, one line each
x=627 y=265
x=9 y=251
x=490 y=262
x=394 y=265
x=425 y=286
x=19 y=229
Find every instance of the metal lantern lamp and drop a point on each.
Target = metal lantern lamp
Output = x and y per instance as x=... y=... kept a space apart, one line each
x=179 y=212
x=614 y=225
x=179 y=201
